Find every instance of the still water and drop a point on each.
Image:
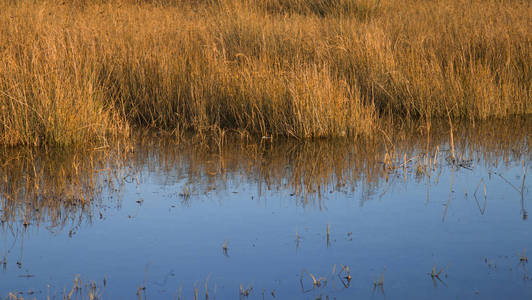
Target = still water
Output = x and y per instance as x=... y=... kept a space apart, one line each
x=399 y=217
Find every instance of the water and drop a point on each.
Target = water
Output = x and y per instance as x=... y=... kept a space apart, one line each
x=151 y=222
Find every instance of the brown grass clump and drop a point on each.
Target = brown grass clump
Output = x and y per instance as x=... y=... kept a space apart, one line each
x=51 y=88
x=85 y=70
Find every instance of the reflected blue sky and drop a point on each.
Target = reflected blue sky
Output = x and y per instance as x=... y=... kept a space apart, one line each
x=399 y=229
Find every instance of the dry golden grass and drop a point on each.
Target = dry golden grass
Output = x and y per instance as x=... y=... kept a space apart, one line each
x=86 y=70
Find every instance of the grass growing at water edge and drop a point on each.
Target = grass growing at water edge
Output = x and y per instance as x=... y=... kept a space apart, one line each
x=85 y=71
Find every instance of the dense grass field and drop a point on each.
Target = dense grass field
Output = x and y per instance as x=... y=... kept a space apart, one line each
x=87 y=71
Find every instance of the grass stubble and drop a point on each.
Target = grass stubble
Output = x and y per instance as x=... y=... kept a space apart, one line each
x=84 y=72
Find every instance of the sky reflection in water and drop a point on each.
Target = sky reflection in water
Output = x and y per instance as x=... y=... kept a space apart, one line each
x=157 y=217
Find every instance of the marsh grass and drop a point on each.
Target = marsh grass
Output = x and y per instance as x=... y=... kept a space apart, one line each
x=50 y=88
x=89 y=290
x=225 y=249
x=316 y=282
x=345 y=276
x=522 y=257
x=87 y=70
x=435 y=273
x=379 y=283
x=245 y=292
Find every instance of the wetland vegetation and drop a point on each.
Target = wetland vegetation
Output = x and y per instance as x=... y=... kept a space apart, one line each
x=275 y=149
x=294 y=68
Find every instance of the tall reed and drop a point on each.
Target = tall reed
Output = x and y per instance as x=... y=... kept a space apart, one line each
x=86 y=70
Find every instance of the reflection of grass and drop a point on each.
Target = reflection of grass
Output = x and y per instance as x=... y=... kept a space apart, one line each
x=328 y=235
x=58 y=188
x=316 y=282
x=345 y=276
x=523 y=257
x=225 y=249
x=207 y=289
x=435 y=273
x=85 y=70
x=378 y=284
x=80 y=290
x=244 y=292
x=61 y=188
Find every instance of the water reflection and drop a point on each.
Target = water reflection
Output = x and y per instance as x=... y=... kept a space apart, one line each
x=56 y=189
x=66 y=192
x=63 y=189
